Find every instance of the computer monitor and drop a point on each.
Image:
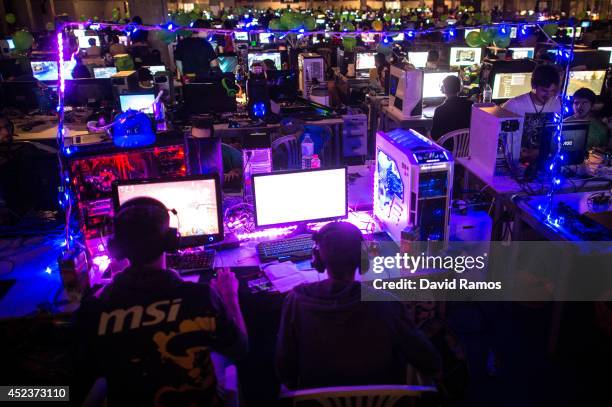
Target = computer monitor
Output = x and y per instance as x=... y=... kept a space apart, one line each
x=275 y=56
x=156 y=68
x=104 y=73
x=509 y=85
x=241 y=36
x=432 y=82
x=297 y=197
x=196 y=200
x=123 y=39
x=369 y=37
x=574 y=137
x=606 y=49
x=84 y=41
x=44 y=70
x=228 y=63
x=266 y=38
x=523 y=52
x=11 y=43
x=21 y=95
x=91 y=91
x=364 y=61
x=78 y=32
x=593 y=80
x=216 y=99
x=398 y=37
x=465 y=56
x=137 y=101
x=282 y=85
x=418 y=59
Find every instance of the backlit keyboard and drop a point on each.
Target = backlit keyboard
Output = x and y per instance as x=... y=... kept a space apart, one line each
x=292 y=248
x=192 y=262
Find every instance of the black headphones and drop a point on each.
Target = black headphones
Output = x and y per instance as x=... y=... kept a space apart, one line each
x=318 y=263
x=168 y=243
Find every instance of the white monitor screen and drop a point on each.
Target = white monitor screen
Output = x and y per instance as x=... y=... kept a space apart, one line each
x=156 y=68
x=301 y=196
x=241 y=36
x=606 y=49
x=195 y=202
x=513 y=32
x=509 y=85
x=432 y=82
x=47 y=70
x=399 y=37
x=123 y=39
x=103 y=73
x=521 y=53
x=469 y=30
x=369 y=37
x=78 y=32
x=266 y=38
x=142 y=102
x=465 y=56
x=593 y=80
x=84 y=41
x=261 y=56
x=365 y=61
x=418 y=59
x=11 y=44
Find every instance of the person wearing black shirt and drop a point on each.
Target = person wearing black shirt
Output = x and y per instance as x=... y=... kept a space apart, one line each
x=329 y=336
x=195 y=55
x=454 y=113
x=149 y=333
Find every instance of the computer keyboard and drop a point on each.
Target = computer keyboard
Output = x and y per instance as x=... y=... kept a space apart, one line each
x=192 y=262
x=292 y=248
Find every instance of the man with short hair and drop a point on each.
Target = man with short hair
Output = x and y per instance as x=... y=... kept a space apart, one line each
x=149 y=333
x=329 y=337
x=195 y=55
x=584 y=99
x=455 y=113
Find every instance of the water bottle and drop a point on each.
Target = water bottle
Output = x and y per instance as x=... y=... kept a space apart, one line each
x=307 y=151
x=315 y=162
x=487 y=95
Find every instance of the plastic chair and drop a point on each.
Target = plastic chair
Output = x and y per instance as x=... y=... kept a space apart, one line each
x=290 y=145
x=356 y=396
x=461 y=142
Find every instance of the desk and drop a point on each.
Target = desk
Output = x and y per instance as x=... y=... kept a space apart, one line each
x=390 y=120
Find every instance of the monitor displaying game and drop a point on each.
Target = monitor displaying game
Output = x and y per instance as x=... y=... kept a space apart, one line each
x=365 y=61
x=274 y=56
x=593 y=80
x=509 y=85
x=465 y=56
x=139 y=101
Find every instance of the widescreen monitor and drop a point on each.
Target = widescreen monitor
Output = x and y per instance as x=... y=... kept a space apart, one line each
x=465 y=56
x=509 y=85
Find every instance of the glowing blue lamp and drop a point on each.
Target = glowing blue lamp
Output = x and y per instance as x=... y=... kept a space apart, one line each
x=133 y=129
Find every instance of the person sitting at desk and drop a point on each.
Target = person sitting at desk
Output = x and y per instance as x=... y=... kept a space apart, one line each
x=195 y=55
x=80 y=71
x=328 y=336
x=149 y=333
x=583 y=102
x=93 y=51
x=538 y=105
x=116 y=47
x=455 y=113
x=380 y=74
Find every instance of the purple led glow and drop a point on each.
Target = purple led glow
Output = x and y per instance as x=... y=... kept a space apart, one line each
x=102 y=262
x=62 y=68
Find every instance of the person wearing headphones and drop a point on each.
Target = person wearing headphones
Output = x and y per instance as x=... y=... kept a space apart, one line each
x=328 y=336
x=454 y=113
x=149 y=333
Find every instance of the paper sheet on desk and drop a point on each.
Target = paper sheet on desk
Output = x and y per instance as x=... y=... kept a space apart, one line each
x=285 y=276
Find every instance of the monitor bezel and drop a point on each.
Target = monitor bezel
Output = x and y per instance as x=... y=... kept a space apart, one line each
x=298 y=222
x=184 y=241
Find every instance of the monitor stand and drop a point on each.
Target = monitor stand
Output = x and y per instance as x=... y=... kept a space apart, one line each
x=301 y=229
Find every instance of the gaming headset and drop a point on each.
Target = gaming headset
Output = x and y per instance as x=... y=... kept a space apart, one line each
x=318 y=263
x=168 y=243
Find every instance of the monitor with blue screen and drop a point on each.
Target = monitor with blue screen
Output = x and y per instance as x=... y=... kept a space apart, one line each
x=137 y=101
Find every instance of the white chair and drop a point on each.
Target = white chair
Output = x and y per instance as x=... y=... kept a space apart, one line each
x=357 y=396
x=461 y=142
x=290 y=144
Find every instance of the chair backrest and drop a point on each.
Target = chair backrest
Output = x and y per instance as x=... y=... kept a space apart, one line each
x=461 y=142
x=357 y=396
x=290 y=144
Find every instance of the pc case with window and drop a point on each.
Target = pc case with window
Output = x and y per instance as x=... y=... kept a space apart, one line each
x=311 y=67
x=412 y=184
x=495 y=139
x=405 y=92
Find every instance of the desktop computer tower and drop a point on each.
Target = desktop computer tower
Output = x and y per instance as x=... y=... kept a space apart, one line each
x=311 y=69
x=124 y=82
x=495 y=139
x=355 y=135
x=413 y=180
x=406 y=92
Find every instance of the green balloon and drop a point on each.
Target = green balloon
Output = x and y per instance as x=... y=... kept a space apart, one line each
x=487 y=35
x=275 y=24
x=502 y=41
x=310 y=23
x=348 y=27
x=10 y=18
x=166 y=37
x=473 y=39
x=82 y=18
x=50 y=26
x=287 y=19
x=550 y=29
x=23 y=40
